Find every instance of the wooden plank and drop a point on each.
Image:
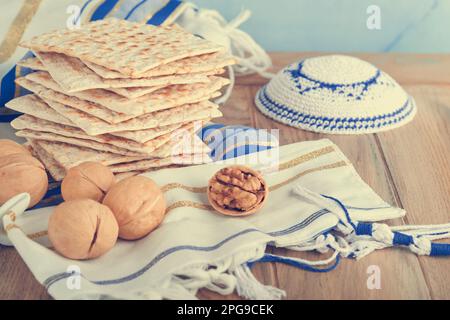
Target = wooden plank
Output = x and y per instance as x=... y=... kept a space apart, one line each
x=236 y=109
x=16 y=280
x=403 y=67
x=349 y=280
x=408 y=167
x=418 y=156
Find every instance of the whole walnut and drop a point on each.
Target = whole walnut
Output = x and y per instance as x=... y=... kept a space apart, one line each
x=20 y=172
x=237 y=191
x=88 y=180
x=10 y=147
x=82 y=229
x=138 y=205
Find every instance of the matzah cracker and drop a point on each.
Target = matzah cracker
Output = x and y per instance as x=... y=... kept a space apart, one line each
x=48 y=136
x=181 y=142
x=165 y=98
x=67 y=155
x=91 y=108
x=96 y=126
x=128 y=47
x=146 y=144
x=148 y=134
x=27 y=122
x=123 y=175
x=73 y=75
x=69 y=72
x=133 y=92
x=56 y=171
x=33 y=105
x=32 y=63
x=144 y=165
x=160 y=81
x=195 y=64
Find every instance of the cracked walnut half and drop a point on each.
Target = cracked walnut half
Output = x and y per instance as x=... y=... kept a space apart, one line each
x=237 y=191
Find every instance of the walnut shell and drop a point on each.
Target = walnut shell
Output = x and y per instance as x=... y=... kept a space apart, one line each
x=82 y=229
x=88 y=180
x=138 y=205
x=20 y=172
x=10 y=147
x=237 y=191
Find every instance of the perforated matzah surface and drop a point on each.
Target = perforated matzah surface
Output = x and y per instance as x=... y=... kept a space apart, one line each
x=127 y=47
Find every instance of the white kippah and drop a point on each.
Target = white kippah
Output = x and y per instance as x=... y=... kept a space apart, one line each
x=336 y=94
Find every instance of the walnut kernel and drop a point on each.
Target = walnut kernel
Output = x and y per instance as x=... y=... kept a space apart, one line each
x=237 y=190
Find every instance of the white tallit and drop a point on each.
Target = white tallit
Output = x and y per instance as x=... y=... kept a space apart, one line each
x=196 y=247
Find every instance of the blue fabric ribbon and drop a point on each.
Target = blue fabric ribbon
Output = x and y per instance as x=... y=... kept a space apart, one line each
x=294 y=263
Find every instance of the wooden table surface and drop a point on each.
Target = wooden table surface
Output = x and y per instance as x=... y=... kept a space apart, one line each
x=408 y=167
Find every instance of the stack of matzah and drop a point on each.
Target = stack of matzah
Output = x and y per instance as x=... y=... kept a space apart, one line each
x=125 y=94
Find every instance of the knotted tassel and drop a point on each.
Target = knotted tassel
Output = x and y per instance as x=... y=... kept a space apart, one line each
x=364 y=238
x=418 y=242
x=249 y=287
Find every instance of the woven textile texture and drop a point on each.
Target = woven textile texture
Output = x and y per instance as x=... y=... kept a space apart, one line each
x=336 y=94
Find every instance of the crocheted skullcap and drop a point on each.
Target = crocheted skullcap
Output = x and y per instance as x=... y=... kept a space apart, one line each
x=336 y=94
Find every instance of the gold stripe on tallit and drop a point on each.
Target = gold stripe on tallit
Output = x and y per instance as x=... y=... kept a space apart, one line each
x=286 y=165
x=12 y=215
x=11 y=226
x=17 y=28
x=50 y=199
x=175 y=185
x=17 y=87
x=298 y=175
x=152 y=13
x=202 y=206
x=174 y=15
x=306 y=157
x=114 y=9
x=88 y=16
x=188 y=204
x=191 y=204
x=37 y=234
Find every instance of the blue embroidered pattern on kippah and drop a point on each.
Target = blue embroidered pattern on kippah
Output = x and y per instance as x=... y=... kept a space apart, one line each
x=297 y=74
x=284 y=113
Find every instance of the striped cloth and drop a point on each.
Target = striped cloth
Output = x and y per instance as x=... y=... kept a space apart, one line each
x=23 y=19
x=233 y=141
x=196 y=247
x=317 y=202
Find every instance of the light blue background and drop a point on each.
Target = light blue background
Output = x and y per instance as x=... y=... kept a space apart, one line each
x=340 y=25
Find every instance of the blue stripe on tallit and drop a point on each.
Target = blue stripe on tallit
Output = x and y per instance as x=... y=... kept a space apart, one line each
x=134 y=9
x=52 y=197
x=160 y=16
x=103 y=9
x=232 y=141
x=8 y=117
x=8 y=88
x=57 y=277
x=297 y=264
x=82 y=10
